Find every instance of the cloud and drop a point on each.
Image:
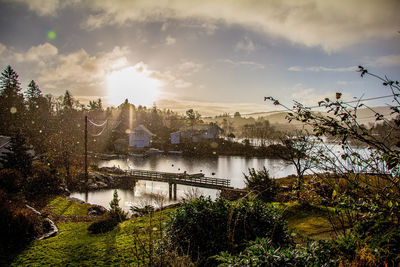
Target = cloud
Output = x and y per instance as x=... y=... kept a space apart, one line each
x=331 y=25
x=46 y=7
x=188 y=67
x=40 y=53
x=383 y=61
x=170 y=80
x=170 y=40
x=210 y=108
x=321 y=68
x=311 y=96
x=245 y=45
x=247 y=64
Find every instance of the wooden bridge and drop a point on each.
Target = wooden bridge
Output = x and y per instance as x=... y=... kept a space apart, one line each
x=197 y=180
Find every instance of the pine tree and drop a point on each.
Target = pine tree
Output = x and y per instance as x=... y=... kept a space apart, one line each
x=115 y=209
x=12 y=108
x=18 y=157
x=33 y=91
x=68 y=101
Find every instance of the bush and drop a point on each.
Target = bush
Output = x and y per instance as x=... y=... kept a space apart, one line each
x=115 y=210
x=10 y=180
x=373 y=241
x=18 y=225
x=42 y=181
x=103 y=226
x=262 y=253
x=261 y=184
x=202 y=228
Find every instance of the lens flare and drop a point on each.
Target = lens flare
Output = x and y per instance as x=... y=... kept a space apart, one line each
x=51 y=34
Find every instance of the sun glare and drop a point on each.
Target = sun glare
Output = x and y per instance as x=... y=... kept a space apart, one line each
x=136 y=86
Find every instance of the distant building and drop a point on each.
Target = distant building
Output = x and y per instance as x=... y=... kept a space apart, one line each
x=175 y=138
x=121 y=145
x=196 y=133
x=140 y=137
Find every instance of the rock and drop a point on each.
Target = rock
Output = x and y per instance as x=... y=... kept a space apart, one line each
x=76 y=200
x=96 y=210
x=53 y=230
x=101 y=185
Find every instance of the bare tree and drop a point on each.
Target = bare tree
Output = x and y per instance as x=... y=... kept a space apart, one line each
x=300 y=148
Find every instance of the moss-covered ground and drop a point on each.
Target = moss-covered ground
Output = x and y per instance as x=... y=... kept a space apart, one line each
x=128 y=243
x=74 y=246
x=308 y=222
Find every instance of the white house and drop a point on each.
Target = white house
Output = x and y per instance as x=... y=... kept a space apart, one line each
x=140 y=137
x=197 y=133
x=175 y=138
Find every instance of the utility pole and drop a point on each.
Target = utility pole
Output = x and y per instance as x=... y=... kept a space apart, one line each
x=86 y=162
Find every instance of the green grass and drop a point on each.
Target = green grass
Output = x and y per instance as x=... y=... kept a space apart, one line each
x=129 y=243
x=65 y=207
x=126 y=245
x=307 y=221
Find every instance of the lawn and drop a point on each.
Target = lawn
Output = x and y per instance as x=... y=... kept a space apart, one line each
x=126 y=245
x=129 y=243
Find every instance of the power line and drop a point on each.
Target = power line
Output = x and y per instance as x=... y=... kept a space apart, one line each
x=313 y=107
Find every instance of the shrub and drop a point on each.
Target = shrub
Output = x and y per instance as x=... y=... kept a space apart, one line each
x=103 y=226
x=376 y=241
x=10 y=180
x=42 y=181
x=260 y=183
x=115 y=210
x=18 y=225
x=262 y=253
x=202 y=228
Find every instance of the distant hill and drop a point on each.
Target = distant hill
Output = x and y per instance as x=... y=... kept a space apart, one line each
x=278 y=118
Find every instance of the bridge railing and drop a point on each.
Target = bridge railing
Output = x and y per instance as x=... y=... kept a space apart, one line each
x=180 y=177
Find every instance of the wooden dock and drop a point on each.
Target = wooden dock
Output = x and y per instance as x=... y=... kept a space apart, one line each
x=173 y=179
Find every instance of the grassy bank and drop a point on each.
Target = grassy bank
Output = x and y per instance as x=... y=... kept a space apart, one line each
x=128 y=244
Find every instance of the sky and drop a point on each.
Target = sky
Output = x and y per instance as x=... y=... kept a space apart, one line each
x=210 y=55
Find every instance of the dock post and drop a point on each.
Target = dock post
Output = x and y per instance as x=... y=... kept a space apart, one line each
x=170 y=191
x=175 y=185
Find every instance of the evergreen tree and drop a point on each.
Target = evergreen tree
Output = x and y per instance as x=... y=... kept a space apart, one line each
x=12 y=106
x=38 y=117
x=68 y=101
x=18 y=157
x=115 y=210
x=33 y=92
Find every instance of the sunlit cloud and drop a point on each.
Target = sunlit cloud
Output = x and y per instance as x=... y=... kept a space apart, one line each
x=187 y=67
x=321 y=68
x=331 y=25
x=246 y=64
x=311 y=96
x=170 y=40
x=211 y=108
x=133 y=83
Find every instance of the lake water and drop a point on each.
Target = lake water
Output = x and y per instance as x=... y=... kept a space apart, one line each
x=228 y=167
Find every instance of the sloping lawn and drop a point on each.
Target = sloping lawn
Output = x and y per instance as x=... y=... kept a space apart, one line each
x=310 y=222
x=129 y=243
x=126 y=245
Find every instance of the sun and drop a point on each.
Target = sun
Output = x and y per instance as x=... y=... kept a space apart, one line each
x=135 y=85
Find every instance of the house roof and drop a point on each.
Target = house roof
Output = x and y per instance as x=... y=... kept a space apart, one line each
x=199 y=127
x=121 y=141
x=143 y=128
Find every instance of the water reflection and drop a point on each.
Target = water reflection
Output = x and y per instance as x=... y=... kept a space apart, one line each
x=144 y=193
x=227 y=167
